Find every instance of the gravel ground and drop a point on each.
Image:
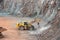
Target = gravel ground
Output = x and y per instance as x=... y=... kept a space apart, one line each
x=12 y=33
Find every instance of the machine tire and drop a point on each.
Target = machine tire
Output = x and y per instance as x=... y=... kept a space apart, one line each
x=31 y=28
x=21 y=28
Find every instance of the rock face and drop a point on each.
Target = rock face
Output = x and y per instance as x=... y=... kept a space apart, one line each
x=27 y=7
x=1 y=4
x=54 y=32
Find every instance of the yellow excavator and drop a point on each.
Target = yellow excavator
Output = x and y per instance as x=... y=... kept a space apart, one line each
x=26 y=25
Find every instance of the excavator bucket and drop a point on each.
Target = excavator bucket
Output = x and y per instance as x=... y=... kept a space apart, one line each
x=2 y=29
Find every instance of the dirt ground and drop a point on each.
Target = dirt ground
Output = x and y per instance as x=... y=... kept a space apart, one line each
x=12 y=33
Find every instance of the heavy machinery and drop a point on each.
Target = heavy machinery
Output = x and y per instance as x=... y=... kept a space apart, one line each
x=25 y=26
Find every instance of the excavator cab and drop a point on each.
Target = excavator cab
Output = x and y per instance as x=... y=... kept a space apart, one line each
x=25 y=23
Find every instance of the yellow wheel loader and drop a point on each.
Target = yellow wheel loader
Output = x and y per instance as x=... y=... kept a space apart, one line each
x=25 y=26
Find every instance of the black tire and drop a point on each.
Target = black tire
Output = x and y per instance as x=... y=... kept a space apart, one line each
x=21 y=28
x=31 y=28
